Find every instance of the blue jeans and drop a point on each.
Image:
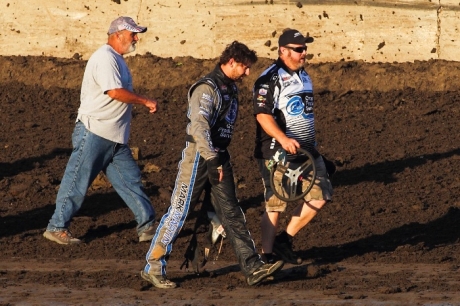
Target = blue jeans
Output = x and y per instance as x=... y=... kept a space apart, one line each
x=92 y=154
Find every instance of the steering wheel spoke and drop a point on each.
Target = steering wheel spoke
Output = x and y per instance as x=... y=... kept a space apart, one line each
x=290 y=184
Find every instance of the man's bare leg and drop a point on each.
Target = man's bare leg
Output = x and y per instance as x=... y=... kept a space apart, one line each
x=269 y=224
x=303 y=214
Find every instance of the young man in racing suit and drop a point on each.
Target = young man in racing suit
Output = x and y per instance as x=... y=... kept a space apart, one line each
x=213 y=108
x=283 y=107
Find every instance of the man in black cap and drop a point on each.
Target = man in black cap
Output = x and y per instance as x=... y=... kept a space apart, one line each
x=283 y=107
x=101 y=135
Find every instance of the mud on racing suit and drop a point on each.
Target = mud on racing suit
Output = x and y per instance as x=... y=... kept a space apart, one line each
x=213 y=108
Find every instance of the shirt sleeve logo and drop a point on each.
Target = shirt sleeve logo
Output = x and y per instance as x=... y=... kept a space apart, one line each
x=262 y=91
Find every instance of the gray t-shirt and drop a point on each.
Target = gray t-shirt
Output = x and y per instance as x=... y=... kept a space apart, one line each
x=103 y=116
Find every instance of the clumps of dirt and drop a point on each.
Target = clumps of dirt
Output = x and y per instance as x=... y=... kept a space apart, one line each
x=318 y=270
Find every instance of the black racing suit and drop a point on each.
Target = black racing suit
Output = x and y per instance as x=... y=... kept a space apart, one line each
x=213 y=108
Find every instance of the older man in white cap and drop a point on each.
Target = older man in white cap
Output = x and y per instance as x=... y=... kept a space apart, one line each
x=101 y=135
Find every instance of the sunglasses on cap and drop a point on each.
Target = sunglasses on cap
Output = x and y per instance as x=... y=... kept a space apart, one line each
x=297 y=49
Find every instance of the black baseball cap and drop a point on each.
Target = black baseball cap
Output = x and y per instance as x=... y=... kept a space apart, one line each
x=292 y=36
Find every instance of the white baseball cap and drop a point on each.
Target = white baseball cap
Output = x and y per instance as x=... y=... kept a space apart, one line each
x=125 y=23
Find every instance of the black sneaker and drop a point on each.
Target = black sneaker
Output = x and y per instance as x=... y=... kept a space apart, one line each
x=263 y=272
x=284 y=250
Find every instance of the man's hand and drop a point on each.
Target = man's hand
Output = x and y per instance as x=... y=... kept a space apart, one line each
x=126 y=96
x=268 y=123
x=289 y=144
x=215 y=173
x=151 y=104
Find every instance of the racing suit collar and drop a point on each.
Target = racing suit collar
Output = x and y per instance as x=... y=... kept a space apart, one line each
x=221 y=75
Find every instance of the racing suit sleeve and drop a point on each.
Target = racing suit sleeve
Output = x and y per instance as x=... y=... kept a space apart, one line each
x=201 y=111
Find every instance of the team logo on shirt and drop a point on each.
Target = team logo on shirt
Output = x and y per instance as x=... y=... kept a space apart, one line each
x=232 y=111
x=295 y=106
x=206 y=97
x=300 y=103
x=290 y=82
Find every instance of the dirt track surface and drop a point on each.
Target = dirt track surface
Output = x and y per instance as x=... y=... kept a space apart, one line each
x=390 y=237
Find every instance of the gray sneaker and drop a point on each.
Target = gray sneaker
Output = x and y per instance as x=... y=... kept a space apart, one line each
x=158 y=281
x=264 y=271
x=61 y=237
x=148 y=234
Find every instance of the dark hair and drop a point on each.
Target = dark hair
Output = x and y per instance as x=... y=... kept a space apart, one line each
x=239 y=52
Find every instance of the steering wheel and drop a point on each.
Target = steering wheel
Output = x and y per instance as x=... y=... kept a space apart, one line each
x=291 y=179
